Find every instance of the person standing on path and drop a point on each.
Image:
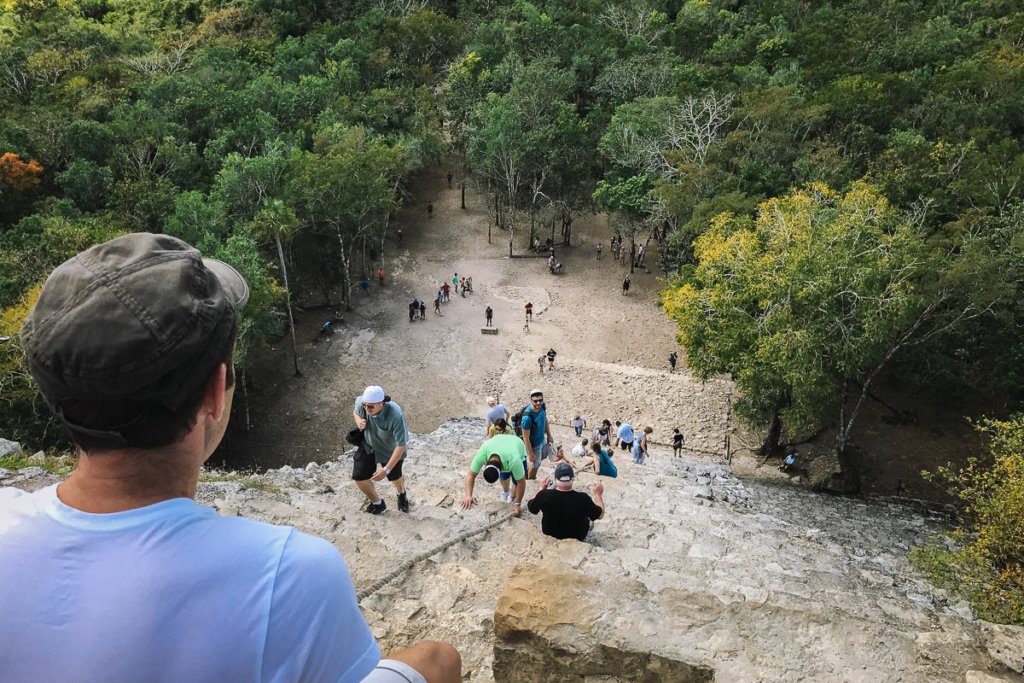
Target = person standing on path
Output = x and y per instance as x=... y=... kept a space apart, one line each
x=135 y=562
x=446 y=291
x=677 y=443
x=540 y=363
x=385 y=437
x=672 y=358
x=600 y=248
x=399 y=237
x=502 y=454
x=567 y=513
x=430 y=209
x=449 y=180
x=455 y=282
x=495 y=411
x=536 y=431
x=625 y=286
x=414 y=309
x=529 y=311
x=578 y=424
x=364 y=284
x=551 y=358
x=489 y=315
x=437 y=304
x=423 y=310
x=380 y=276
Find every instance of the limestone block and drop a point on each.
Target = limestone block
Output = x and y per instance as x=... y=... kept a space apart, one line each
x=565 y=629
x=1005 y=644
x=9 y=447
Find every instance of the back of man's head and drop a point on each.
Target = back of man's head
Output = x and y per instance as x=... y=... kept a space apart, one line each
x=125 y=336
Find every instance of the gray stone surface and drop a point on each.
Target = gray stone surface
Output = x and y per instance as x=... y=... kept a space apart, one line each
x=9 y=447
x=753 y=583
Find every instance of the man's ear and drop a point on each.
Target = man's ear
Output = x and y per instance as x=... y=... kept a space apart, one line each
x=215 y=400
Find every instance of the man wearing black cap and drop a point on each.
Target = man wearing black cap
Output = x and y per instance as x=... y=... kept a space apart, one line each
x=567 y=513
x=116 y=574
x=503 y=456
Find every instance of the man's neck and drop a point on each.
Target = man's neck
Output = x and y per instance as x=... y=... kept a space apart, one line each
x=563 y=487
x=115 y=481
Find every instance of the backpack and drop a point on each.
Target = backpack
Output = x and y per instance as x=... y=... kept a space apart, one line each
x=517 y=421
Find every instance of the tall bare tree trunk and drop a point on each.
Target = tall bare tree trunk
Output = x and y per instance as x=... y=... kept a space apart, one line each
x=288 y=301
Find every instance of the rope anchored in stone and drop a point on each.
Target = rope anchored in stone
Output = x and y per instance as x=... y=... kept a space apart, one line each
x=408 y=564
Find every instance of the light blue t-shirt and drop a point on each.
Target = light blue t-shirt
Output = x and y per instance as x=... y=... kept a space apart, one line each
x=497 y=412
x=168 y=593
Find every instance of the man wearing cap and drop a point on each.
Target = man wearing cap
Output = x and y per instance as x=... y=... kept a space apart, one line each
x=536 y=432
x=495 y=411
x=385 y=436
x=567 y=513
x=503 y=457
x=116 y=574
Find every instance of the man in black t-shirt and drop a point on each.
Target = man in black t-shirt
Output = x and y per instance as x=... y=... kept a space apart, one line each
x=567 y=513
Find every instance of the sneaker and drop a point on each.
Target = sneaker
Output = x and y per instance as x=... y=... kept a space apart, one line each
x=403 y=502
x=376 y=508
x=506 y=497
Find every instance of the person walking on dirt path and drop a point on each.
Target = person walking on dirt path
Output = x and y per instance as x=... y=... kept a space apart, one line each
x=489 y=315
x=501 y=458
x=430 y=209
x=437 y=304
x=672 y=359
x=247 y=600
x=399 y=237
x=455 y=282
x=380 y=276
x=625 y=286
x=364 y=284
x=567 y=513
x=536 y=431
x=541 y=360
x=414 y=309
x=423 y=310
x=578 y=424
x=449 y=180
x=600 y=248
x=446 y=291
x=382 y=453
x=677 y=443
x=551 y=359
x=529 y=312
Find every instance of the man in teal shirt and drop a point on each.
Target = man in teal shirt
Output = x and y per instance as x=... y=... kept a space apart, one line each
x=500 y=454
x=382 y=453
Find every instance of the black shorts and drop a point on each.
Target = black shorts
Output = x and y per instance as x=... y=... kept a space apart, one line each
x=364 y=465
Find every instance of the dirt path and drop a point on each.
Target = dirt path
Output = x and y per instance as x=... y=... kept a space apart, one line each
x=612 y=349
x=612 y=354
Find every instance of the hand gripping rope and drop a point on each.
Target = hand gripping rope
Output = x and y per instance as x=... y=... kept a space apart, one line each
x=408 y=564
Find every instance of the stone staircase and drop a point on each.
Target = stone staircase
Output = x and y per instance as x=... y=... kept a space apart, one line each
x=693 y=575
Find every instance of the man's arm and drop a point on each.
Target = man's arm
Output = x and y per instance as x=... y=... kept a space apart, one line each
x=547 y=430
x=598 y=489
x=517 y=496
x=534 y=505
x=468 y=500
x=529 y=449
x=384 y=471
x=357 y=418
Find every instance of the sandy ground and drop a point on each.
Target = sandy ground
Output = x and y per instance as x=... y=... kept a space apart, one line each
x=611 y=363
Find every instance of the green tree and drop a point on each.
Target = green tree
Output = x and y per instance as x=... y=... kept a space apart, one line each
x=277 y=222
x=804 y=305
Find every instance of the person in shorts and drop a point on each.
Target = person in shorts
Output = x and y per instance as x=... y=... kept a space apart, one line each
x=624 y=434
x=116 y=574
x=382 y=452
x=536 y=432
x=529 y=311
x=677 y=442
x=501 y=458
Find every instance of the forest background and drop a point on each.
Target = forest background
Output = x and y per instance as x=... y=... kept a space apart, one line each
x=837 y=188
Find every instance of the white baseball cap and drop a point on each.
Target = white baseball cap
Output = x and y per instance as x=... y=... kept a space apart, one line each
x=373 y=394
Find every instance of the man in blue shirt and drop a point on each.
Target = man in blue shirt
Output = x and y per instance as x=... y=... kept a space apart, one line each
x=141 y=583
x=536 y=432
